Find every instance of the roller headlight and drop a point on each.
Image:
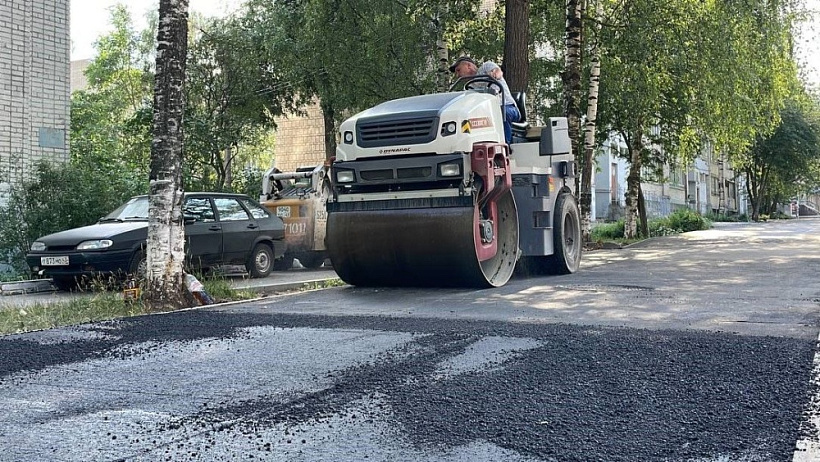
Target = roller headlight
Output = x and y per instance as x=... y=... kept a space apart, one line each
x=448 y=129
x=450 y=169
x=348 y=137
x=97 y=244
x=37 y=246
x=345 y=176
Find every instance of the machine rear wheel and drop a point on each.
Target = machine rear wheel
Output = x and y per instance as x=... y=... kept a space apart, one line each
x=566 y=241
x=283 y=264
x=312 y=260
x=566 y=237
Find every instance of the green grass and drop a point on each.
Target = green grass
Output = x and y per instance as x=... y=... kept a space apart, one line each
x=104 y=304
x=220 y=289
x=680 y=221
x=99 y=307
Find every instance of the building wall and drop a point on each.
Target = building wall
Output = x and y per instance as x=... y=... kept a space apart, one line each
x=609 y=182
x=698 y=186
x=300 y=140
x=34 y=85
x=78 y=80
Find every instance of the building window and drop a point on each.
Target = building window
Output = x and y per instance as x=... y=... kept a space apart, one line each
x=613 y=182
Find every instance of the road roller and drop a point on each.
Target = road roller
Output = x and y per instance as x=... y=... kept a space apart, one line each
x=426 y=192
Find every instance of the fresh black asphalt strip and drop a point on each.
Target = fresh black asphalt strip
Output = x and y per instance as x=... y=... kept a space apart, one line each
x=209 y=385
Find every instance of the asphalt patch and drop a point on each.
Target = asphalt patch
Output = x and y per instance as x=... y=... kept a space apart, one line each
x=575 y=393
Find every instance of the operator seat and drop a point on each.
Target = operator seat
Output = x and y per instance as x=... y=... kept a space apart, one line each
x=519 y=129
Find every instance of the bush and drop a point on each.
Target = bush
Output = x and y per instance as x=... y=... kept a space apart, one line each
x=608 y=231
x=660 y=227
x=685 y=220
x=681 y=221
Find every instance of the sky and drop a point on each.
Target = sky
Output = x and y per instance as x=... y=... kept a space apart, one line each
x=89 y=20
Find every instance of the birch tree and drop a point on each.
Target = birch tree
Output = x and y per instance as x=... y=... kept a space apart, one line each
x=164 y=287
x=712 y=71
x=590 y=125
x=571 y=75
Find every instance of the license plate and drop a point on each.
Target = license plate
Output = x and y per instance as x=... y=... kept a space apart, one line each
x=283 y=211
x=54 y=261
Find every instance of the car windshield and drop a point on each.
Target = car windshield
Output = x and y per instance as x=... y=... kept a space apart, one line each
x=135 y=209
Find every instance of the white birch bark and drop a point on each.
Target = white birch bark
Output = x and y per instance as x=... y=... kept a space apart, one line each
x=571 y=75
x=590 y=127
x=165 y=285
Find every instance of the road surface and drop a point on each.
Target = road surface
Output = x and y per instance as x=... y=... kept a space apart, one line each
x=699 y=347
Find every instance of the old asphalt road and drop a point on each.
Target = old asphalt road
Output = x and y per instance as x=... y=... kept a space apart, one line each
x=691 y=348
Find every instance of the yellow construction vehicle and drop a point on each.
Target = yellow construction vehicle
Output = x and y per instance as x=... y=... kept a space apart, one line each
x=299 y=199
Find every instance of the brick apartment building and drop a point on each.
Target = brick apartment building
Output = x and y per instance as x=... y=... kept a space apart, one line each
x=34 y=85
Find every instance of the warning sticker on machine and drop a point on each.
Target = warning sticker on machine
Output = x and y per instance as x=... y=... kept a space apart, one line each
x=481 y=122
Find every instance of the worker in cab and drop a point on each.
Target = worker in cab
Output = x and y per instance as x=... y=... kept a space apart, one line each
x=467 y=67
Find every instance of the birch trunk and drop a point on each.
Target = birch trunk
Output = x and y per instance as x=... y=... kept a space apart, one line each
x=571 y=75
x=442 y=58
x=633 y=185
x=589 y=130
x=165 y=285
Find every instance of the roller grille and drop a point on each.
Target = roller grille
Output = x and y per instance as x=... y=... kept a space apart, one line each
x=396 y=132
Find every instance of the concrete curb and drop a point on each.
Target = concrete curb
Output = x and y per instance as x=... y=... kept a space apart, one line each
x=26 y=287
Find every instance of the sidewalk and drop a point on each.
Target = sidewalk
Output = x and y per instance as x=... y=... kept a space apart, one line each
x=25 y=293
x=279 y=281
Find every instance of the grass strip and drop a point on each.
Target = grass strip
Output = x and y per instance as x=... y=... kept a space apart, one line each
x=93 y=306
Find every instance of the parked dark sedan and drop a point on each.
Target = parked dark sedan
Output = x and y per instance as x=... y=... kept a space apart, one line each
x=220 y=229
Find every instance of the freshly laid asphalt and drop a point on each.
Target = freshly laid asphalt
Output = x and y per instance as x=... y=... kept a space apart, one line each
x=693 y=348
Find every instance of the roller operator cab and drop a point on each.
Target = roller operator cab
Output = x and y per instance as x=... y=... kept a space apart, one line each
x=425 y=192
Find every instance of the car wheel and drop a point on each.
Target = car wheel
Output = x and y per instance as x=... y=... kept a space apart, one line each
x=260 y=261
x=64 y=284
x=139 y=265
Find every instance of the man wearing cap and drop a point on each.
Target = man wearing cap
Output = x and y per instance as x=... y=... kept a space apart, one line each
x=464 y=66
x=467 y=67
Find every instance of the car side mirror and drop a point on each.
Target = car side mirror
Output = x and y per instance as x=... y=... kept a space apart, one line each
x=189 y=219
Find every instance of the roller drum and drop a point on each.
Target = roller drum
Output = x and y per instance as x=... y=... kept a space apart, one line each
x=421 y=247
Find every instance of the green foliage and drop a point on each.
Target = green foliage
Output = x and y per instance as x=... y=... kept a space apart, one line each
x=684 y=75
x=719 y=217
x=229 y=102
x=786 y=162
x=97 y=307
x=248 y=181
x=685 y=220
x=111 y=119
x=58 y=197
x=680 y=221
x=220 y=290
x=608 y=231
x=350 y=55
